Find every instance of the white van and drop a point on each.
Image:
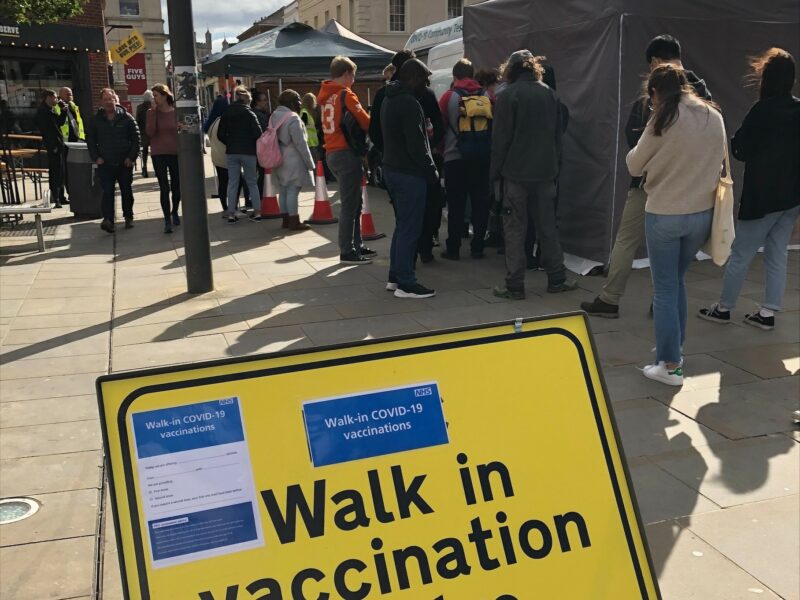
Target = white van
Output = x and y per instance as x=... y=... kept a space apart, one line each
x=441 y=59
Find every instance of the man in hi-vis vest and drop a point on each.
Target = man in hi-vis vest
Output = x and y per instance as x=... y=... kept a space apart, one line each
x=71 y=130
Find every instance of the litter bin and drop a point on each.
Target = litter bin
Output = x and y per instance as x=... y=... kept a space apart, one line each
x=85 y=193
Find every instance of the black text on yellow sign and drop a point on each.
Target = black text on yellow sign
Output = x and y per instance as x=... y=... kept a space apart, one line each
x=312 y=476
x=128 y=47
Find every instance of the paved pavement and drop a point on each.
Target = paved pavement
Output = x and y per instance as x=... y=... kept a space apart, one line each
x=716 y=465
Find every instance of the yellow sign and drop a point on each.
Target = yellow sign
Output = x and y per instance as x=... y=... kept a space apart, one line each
x=128 y=47
x=471 y=464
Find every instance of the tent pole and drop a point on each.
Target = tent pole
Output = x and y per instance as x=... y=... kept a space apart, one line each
x=280 y=85
x=269 y=99
x=369 y=98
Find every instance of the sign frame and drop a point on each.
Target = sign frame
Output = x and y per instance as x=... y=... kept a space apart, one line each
x=515 y=332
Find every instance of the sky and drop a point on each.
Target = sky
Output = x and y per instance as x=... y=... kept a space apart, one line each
x=225 y=18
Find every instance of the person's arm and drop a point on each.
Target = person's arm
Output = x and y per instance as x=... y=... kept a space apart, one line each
x=135 y=138
x=297 y=135
x=416 y=138
x=443 y=102
x=355 y=108
x=61 y=115
x=636 y=122
x=502 y=134
x=375 y=133
x=641 y=154
x=222 y=129
x=434 y=113
x=742 y=142
x=151 y=123
x=255 y=126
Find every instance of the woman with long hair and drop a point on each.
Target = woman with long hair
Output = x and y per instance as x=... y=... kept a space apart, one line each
x=680 y=157
x=162 y=130
x=295 y=169
x=769 y=144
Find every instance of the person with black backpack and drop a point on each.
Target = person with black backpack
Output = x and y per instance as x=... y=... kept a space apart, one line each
x=345 y=123
x=467 y=113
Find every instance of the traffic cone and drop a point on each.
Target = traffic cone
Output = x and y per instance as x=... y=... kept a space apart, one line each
x=367 y=225
x=322 y=215
x=269 y=201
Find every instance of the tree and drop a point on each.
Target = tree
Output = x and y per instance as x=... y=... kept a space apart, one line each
x=40 y=12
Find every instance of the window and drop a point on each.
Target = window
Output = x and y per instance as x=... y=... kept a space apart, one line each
x=455 y=8
x=327 y=16
x=397 y=15
x=339 y=13
x=352 y=7
x=129 y=8
x=316 y=22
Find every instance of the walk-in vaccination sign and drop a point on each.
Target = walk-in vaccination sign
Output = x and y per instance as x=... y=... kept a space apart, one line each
x=472 y=464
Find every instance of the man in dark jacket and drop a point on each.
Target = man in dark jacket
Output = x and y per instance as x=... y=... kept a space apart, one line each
x=49 y=124
x=239 y=130
x=435 y=131
x=663 y=49
x=408 y=168
x=112 y=137
x=526 y=145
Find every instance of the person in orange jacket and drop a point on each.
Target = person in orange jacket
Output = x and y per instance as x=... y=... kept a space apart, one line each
x=344 y=156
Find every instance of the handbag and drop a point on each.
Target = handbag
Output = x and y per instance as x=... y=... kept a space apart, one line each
x=720 y=241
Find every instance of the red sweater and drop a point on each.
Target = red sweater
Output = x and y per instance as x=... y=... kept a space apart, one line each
x=162 y=129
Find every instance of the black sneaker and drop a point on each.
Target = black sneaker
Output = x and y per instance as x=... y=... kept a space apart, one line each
x=367 y=252
x=232 y=219
x=476 y=254
x=567 y=285
x=533 y=264
x=714 y=314
x=255 y=218
x=426 y=257
x=176 y=220
x=413 y=291
x=448 y=255
x=353 y=258
x=129 y=223
x=504 y=292
x=598 y=308
x=107 y=225
x=757 y=320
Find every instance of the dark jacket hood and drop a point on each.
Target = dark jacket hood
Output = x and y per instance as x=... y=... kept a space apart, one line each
x=393 y=89
x=699 y=84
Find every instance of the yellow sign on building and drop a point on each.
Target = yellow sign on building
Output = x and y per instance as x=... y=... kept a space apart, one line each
x=133 y=44
x=471 y=464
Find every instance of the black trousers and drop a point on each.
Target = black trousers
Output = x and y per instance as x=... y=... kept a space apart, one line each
x=56 y=173
x=466 y=179
x=432 y=219
x=110 y=176
x=166 y=168
x=145 y=154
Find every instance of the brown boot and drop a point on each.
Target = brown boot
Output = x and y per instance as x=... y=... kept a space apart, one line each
x=285 y=222
x=296 y=225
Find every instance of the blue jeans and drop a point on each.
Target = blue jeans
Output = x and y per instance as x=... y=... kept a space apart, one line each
x=409 y=194
x=287 y=198
x=672 y=243
x=238 y=163
x=772 y=232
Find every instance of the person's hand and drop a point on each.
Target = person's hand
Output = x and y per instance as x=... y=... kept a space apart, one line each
x=128 y=163
x=99 y=161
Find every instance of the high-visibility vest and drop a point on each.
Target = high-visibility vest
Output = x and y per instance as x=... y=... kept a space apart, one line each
x=78 y=121
x=311 y=128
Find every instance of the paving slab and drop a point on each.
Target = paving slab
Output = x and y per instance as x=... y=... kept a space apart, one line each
x=274 y=339
x=738 y=472
x=14 y=292
x=48 y=570
x=48 y=410
x=351 y=330
x=169 y=352
x=766 y=361
x=771 y=527
x=61 y=515
x=48 y=386
x=691 y=569
x=649 y=428
x=293 y=314
x=23 y=369
x=94 y=322
x=50 y=473
x=51 y=438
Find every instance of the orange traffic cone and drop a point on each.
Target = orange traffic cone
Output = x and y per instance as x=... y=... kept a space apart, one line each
x=269 y=201
x=367 y=225
x=322 y=215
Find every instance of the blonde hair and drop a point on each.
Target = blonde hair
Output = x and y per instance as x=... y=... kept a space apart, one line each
x=310 y=102
x=340 y=65
x=242 y=93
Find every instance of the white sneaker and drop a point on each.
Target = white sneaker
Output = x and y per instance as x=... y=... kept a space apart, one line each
x=391 y=286
x=659 y=372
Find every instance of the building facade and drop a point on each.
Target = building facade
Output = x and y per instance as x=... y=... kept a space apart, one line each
x=148 y=67
x=387 y=23
x=71 y=53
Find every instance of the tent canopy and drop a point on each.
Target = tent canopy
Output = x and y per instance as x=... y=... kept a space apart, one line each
x=333 y=26
x=597 y=50
x=295 y=50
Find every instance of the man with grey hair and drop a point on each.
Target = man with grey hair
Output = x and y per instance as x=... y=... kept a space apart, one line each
x=141 y=121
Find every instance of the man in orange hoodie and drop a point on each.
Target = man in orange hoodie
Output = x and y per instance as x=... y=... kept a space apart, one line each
x=344 y=162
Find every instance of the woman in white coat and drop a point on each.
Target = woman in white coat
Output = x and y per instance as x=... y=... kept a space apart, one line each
x=295 y=170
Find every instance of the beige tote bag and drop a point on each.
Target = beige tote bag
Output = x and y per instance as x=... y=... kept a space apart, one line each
x=720 y=241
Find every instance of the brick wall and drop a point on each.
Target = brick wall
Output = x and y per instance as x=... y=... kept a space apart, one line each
x=92 y=16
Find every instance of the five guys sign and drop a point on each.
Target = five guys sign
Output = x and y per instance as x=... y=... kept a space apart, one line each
x=136 y=75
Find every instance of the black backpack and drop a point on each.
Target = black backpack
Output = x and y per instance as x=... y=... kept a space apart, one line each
x=355 y=136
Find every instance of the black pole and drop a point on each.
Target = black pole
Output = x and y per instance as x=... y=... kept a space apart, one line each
x=199 y=275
